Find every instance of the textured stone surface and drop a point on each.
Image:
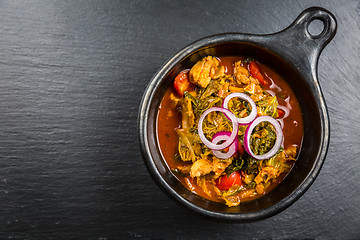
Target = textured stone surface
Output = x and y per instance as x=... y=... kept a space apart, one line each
x=72 y=74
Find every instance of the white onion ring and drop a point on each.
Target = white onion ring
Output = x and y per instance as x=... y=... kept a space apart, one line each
x=279 y=137
x=222 y=136
x=233 y=135
x=243 y=96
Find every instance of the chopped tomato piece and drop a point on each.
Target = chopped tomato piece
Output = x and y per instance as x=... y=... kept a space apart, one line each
x=281 y=113
x=182 y=83
x=241 y=149
x=224 y=183
x=254 y=69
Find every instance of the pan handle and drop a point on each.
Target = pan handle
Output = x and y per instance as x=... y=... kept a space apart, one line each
x=296 y=40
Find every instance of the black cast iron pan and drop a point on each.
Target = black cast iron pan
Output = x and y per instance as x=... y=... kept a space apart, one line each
x=293 y=53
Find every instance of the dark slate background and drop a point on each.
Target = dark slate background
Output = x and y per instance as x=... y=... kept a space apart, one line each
x=72 y=74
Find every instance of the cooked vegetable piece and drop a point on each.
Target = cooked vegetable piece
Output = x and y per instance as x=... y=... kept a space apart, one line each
x=268 y=106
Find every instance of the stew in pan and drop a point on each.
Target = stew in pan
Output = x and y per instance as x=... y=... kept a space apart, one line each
x=230 y=129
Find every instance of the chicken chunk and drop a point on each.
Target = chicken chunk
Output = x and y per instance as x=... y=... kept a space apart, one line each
x=206 y=69
x=256 y=91
x=242 y=75
x=200 y=168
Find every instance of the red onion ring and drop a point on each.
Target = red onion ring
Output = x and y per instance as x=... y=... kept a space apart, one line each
x=279 y=137
x=233 y=135
x=243 y=96
x=222 y=136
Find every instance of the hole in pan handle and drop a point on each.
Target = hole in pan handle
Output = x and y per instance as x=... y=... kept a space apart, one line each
x=316 y=13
